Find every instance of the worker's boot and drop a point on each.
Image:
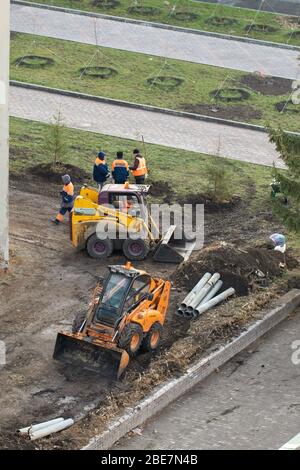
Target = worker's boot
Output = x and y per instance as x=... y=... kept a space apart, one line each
x=55 y=221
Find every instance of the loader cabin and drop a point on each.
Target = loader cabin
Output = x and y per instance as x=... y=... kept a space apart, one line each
x=123 y=290
x=123 y=196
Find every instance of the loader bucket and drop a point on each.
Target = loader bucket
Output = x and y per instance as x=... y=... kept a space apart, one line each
x=92 y=354
x=170 y=250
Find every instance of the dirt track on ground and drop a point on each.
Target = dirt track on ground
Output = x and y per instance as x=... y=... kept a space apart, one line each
x=47 y=284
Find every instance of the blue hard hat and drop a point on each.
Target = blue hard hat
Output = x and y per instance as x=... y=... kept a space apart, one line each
x=101 y=155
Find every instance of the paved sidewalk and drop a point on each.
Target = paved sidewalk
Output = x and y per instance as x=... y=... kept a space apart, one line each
x=157 y=128
x=220 y=52
x=252 y=403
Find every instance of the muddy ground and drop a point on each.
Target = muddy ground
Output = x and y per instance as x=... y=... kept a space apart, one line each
x=47 y=284
x=238 y=112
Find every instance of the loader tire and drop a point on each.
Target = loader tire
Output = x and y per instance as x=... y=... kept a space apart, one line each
x=78 y=320
x=131 y=339
x=98 y=248
x=136 y=250
x=153 y=338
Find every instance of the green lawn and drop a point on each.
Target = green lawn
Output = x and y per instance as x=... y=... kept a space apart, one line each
x=197 y=15
x=136 y=80
x=26 y=151
x=251 y=182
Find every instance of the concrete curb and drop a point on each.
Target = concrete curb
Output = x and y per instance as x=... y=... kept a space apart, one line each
x=129 y=104
x=157 y=25
x=163 y=395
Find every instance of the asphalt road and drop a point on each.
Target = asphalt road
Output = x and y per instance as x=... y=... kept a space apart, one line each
x=252 y=403
x=157 y=128
x=198 y=48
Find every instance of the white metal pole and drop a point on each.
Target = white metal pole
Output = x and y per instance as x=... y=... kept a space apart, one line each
x=4 y=123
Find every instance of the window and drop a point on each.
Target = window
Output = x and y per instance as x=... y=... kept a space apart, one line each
x=138 y=291
x=124 y=202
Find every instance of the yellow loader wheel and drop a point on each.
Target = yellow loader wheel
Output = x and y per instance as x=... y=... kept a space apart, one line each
x=153 y=338
x=131 y=339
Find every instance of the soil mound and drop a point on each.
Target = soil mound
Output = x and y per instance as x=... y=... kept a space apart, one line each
x=241 y=268
x=46 y=170
x=273 y=86
x=210 y=205
x=240 y=112
x=161 y=189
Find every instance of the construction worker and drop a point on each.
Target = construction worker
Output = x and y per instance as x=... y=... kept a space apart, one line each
x=139 y=167
x=67 y=195
x=120 y=169
x=100 y=171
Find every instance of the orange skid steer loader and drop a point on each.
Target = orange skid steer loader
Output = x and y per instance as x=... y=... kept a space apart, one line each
x=126 y=316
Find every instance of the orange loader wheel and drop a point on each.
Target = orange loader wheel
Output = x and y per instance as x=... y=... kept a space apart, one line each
x=131 y=339
x=152 y=340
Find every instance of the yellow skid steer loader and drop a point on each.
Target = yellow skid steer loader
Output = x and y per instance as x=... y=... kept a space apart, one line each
x=117 y=218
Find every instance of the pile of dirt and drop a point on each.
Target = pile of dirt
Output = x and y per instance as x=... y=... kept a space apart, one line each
x=294 y=282
x=161 y=189
x=239 y=112
x=46 y=171
x=210 y=205
x=241 y=268
x=12 y=441
x=272 y=86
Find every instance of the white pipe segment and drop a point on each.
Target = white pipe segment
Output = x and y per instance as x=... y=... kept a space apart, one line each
x=211 y=293
x=193 y=292
x=203 y=292
x=36 y=427
x=45 y=431
x=211 y=303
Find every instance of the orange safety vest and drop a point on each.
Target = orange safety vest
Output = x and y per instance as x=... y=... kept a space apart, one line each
x=119 y=163
x=69 y=189
x=141 y=169
x=98 y=161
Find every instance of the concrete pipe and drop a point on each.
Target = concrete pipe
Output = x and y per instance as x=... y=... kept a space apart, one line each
x=203 y=292
x=193 y=292
x=216 y=300
x=212 y=292
x=36 y=427
x=38 y=434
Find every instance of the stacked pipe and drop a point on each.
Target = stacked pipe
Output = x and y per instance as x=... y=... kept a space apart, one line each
x=203 y=296
x=36 y=431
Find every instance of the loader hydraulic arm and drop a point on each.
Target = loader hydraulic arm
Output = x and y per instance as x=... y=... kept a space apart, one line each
x=161 y=295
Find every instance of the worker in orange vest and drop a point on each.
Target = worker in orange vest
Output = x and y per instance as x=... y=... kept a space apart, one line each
x=67 y=202
x=139 y=167
x=119 y=169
